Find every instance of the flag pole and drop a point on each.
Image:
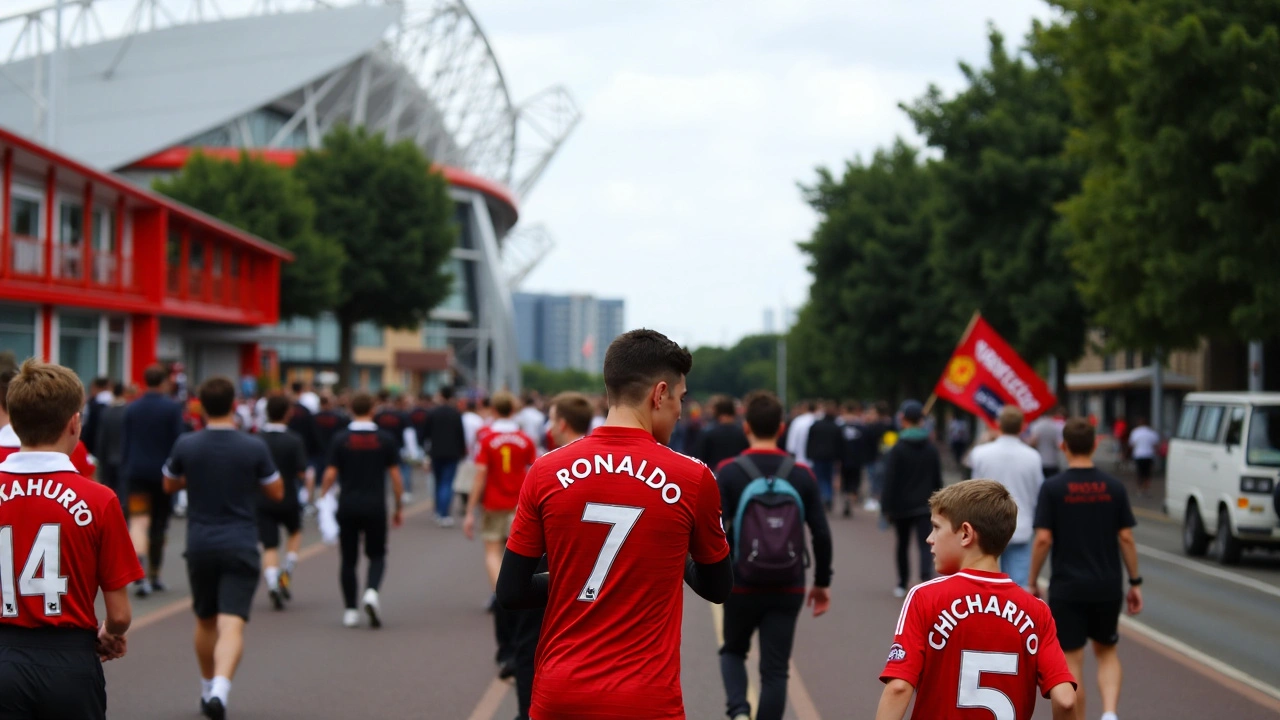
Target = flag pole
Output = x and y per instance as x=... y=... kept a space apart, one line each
x=973 y=321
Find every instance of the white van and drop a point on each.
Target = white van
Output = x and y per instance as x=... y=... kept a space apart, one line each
x=1223 y=467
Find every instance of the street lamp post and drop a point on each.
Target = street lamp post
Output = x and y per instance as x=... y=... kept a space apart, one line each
x=52 y=84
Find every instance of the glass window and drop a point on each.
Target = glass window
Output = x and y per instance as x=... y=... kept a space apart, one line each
x=435 y=335
x=70 y=239
x=115 y=348
x=1210 y=422
x=104 y=247
x=368 y=334
x=195 y=279
x=26 y=217
x=1235 y=426
x=375 y=378
x=18 y=331
x=174 y=250
x=24 y=223
x=78 y=344
x=1187 y=422
x=456 y=268
x=1264 y=437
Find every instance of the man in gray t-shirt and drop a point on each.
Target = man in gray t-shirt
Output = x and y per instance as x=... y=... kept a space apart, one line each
x=1045 y=435
x=223 y=471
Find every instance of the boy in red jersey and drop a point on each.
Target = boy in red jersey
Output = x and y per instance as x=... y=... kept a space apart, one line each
x=623 y=521
x=974 y=643
x=9 y=442
x=62 y=536
x=503 y=457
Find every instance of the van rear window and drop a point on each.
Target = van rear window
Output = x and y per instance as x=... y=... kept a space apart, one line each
x=1264 y=436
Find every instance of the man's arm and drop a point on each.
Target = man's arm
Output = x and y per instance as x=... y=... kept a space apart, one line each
x=1063 y=698
x=1039 y=553
x=174 y=484
x=397 y=489
x=711 y=582
x=274 y=489
x=330 y=477
x=119 y=611
x=1129 y=553
x=473 y=500
x=895 y=699
x=520 y=586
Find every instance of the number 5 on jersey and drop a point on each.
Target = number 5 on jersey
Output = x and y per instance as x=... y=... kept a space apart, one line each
x=621 y=519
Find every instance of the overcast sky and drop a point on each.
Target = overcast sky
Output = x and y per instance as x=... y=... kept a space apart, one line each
x=678 y=190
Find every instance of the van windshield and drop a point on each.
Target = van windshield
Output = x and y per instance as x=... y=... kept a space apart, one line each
x=1264 y=436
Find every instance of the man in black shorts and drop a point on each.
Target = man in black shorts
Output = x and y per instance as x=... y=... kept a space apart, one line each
x=223 y=471
x=1084 y=515
x=289 y=454
x=360 y=459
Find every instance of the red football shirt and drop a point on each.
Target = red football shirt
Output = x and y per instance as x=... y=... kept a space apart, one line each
x=9 y=444
x=506 y=453
x=617 y=515
x=62 y=536
x=975 y=646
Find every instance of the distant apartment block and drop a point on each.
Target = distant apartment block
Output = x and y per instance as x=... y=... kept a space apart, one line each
x=566 y=331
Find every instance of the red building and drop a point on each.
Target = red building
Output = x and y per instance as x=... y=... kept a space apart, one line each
x=106 y=277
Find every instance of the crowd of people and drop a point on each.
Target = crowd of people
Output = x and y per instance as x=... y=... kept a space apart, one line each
x=593 y=513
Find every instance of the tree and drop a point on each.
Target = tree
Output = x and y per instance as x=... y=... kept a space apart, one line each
x=1177 y=227
x=393 y=215
x=999 y=247
x=874 y=294
x=751 y=364
x=536 y=377
x=265 y=199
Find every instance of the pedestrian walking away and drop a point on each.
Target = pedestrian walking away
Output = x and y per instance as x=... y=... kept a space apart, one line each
x=289 y=455
x=68 y=537
x=448 y=447
x=823 y=448
x=972 y=643
x=361 y=460
x=912 y=472
x=725 y=438
x=1144 y=444
x=1017 y=467
x=224 y=471
x=1084 y=518
x=624 y=521
x=853 y=455
x=767 y=499
x=110 y=444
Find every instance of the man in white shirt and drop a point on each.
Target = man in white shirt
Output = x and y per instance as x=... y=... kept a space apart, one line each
x=1013 y=464
x=798 y=434
x=532 y=421
x=1144 y=441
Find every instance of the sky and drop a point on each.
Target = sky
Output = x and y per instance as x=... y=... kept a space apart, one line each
x=678 y=192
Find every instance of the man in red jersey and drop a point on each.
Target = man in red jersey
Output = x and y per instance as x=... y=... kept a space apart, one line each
x=62 y=536
x=622 y=520
x=9 y=442
x=973 y=645
x=503 y=457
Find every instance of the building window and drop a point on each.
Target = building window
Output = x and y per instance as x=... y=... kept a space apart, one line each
x=174 y=249
x=24 y=223
x=368 y=334
x=435 y=335
x=78 y=344
x=18 y=331
x=70 y=256
x=195 y=278
x=115 y=348
x=457 y=300
x=105 y=243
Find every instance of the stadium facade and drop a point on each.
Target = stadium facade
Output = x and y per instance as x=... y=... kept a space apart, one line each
x=139 y=85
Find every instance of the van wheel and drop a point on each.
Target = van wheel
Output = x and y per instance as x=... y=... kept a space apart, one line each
x=1226 y=548
x=1195 y=541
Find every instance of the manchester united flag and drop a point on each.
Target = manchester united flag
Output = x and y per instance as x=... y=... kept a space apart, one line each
x=985 y=374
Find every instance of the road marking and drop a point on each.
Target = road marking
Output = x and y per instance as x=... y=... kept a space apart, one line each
x=1211 y=571
x=1154 y=515
x=798 y=696
x=491 y=701
x=717 y=621
x=1226 y=675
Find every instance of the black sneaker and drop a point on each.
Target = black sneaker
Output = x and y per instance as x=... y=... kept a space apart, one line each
x=215 y=710
x=157 y=586
x=142 y=588
x=507 y=669
x=277 y=599
x=848 y=509
x=204 y=707
x=286 y=582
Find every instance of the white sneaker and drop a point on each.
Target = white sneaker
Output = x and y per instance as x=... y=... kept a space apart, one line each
x=406 y=498
x=742 y=716
x=446 y=521
x=370 y=602
x=899 y=592
x=351 y=618
x=872 y=505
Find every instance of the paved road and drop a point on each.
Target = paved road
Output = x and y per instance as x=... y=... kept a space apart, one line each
x=434 y=657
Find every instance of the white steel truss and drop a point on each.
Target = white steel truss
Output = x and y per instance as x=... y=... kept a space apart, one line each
x=434 y=79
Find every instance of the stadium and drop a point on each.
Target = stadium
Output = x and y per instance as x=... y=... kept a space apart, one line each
x=112 y=89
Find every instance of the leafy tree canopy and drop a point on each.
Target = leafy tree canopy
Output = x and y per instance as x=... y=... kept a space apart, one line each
x=752 y=364
x=536 y=377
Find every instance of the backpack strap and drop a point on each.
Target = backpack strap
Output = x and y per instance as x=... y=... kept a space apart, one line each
x=748 y=466
x=784 y=470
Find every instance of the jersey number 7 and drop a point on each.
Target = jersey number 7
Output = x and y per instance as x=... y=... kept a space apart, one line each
x=621 y=519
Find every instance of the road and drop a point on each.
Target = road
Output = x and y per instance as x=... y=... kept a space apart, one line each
x=434 y=657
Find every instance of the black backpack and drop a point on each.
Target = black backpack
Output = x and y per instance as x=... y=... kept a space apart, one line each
x=768 y=528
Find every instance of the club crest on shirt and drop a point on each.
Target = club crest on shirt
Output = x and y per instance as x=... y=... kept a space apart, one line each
x=897 y=653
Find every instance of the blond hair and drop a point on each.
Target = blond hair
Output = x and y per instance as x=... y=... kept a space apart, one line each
x=986 y=505
x=42 y=399
x=503 y=403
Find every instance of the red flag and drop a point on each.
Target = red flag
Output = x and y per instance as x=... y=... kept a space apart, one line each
x=985 y=374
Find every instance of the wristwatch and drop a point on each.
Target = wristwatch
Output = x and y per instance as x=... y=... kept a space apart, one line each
x=1135 y=581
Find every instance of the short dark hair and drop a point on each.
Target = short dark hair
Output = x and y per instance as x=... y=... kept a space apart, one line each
x=575 y=410
x=722 y=405
x=384 y=395
x=154 y=376
x=102 y=382
x=277 y=408
x=1079 y=437
x=6 y=375
x=446 y=392
x=217 y=396
x=764 y=414
x=361 y=404
x=986 y=505
x=638 y=359
x=42 y=399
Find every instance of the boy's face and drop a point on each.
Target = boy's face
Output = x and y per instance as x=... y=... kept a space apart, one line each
x=947 y=544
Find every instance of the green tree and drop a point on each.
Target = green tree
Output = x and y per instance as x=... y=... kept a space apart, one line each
x=999 y=247
x=265 y=199
x=874 y=318
x=393 y=215
x=537 y=377
x=1177 y=225
x=751 y=364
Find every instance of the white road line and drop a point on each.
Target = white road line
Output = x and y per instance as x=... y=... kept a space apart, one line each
x=491 y=701
x=717 y=620
x=798 y=696
x=1204 y=659
x=1211 y=571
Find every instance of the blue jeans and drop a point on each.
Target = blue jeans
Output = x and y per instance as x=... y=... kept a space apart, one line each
x=824 y=471
x=445 y=471
x=875 y=472
x=406 y=475
x=1016 y=562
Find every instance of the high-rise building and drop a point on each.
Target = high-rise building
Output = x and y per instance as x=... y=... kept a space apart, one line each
x=566 y=331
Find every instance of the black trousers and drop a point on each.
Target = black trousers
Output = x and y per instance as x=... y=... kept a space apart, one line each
x=50 y=674
x=352 y=526
x=111 y=477
x=921 y=526
x=774 y=615
x=528 y=626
